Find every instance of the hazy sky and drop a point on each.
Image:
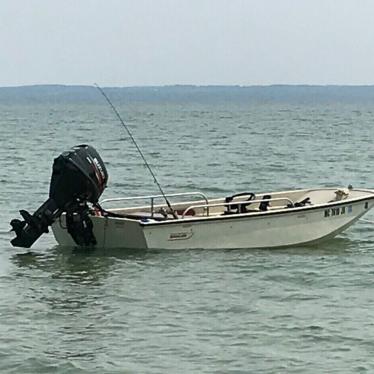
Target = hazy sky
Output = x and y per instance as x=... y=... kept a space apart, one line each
x=158 y=42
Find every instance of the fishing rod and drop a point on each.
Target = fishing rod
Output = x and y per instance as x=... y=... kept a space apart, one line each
x=138 y=148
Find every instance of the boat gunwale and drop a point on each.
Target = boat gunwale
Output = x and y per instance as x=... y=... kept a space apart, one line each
x=190 y=220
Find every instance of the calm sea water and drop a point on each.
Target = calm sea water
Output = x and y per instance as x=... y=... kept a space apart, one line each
x=299 y=310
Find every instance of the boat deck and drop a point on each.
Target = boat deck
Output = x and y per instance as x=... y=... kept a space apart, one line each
x=244 y=203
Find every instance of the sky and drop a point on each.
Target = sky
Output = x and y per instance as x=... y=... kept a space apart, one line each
x=203 y=42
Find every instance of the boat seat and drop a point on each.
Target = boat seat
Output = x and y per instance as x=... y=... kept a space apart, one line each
x=264 y=205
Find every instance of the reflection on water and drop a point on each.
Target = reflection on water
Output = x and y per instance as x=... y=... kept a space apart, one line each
x=81 y=265
x=85 y=262
x=332 y=247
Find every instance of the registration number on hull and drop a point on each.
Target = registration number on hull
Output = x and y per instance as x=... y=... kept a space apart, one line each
x=338 y=211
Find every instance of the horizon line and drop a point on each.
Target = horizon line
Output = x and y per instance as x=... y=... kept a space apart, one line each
x=188 y=85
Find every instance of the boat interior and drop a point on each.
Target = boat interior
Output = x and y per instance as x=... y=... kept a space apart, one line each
x=241 y=203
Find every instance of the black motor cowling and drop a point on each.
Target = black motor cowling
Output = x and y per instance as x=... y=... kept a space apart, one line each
x=79 y=176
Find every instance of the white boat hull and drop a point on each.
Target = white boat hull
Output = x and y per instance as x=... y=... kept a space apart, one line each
x=278 y=228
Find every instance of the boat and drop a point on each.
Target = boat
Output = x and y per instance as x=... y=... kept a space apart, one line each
x=245 y=220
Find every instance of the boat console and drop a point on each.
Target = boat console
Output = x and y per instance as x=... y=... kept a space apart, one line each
x=79 y=176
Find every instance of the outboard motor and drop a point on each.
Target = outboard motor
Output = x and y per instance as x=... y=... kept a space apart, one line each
x=79 y=176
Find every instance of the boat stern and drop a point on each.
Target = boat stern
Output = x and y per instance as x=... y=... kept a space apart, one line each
x=109 y=232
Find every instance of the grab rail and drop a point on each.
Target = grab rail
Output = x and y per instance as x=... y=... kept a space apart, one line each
x=234 y=203
x=153 y=197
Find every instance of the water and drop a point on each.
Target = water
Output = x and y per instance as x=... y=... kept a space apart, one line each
x=299 y=310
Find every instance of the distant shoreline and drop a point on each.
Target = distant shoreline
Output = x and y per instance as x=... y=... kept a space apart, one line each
x=275 y=85
x=180 y=94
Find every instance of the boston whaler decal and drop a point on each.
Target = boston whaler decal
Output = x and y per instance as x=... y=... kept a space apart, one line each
x=182 y=235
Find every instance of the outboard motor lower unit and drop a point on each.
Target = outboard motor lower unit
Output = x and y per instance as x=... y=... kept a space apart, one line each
x=79 y=176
